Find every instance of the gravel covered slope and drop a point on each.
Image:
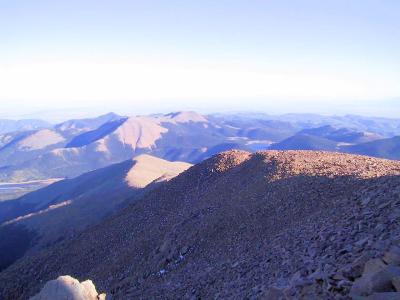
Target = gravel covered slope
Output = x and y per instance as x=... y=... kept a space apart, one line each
x=235 y=226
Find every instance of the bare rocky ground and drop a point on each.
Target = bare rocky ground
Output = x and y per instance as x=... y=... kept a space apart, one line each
x=270 y=225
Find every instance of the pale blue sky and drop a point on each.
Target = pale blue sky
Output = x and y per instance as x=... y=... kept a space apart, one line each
x=333 y=56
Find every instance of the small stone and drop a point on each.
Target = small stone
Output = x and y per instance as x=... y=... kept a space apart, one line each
x=274 y=294
x=346 y=249
x=299 y=280
x=362 y=242
x=384 y=205
x=318 y=275
x=184 y=250
x=344 y=283
x=365 y=201
x=380 y=228
x=338 y=277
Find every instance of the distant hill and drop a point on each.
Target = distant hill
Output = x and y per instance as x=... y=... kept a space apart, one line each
x=65 y=208
x=305 y=142
x=384 y=127
x=7 y=126
x=385 y=148
x=255 y=127
x=91 y=136
x=88 y=124
x=20 y=147
x=240 y=226
x=344 y=135
x=327 y=138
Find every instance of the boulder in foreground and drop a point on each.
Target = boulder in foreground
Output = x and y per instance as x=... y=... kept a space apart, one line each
x=66 y=287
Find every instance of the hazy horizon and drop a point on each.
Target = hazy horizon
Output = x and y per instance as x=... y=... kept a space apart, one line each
x=312 y=56
x=54 y=115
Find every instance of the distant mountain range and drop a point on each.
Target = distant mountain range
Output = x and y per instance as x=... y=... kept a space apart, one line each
x=342 y=140
x=385 y=148
x=21 y=125
x=77 y=146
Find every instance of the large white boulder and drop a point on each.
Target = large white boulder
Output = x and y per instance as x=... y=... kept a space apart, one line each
x=68 y=288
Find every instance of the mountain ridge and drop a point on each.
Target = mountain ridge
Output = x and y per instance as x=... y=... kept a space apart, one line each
x=67 y=207
x=78 y=146
x=236 y=225
x=384 y=148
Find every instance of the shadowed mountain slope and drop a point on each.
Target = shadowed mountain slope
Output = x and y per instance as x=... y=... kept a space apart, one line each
x=65 y=208
x=343 y=135
x=233 y=226
x=94 y=135
x=328 y=138
x=82 y=125
x=306 y=142
x=388 y=148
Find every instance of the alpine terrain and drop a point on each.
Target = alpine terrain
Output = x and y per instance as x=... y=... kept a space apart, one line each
x=264 y=225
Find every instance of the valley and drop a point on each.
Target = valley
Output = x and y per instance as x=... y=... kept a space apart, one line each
x=9 y=191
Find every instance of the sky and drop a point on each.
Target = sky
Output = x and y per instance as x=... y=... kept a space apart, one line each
x=134 y=57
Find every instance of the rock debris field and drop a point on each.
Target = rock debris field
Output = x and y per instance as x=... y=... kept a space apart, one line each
x=268 y=225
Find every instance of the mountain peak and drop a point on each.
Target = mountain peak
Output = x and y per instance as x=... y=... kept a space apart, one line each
x=186 y=116
x=226 y=160
x=147 y=168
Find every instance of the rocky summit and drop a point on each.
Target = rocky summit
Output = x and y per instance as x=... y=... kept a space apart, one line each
x=267 y=225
